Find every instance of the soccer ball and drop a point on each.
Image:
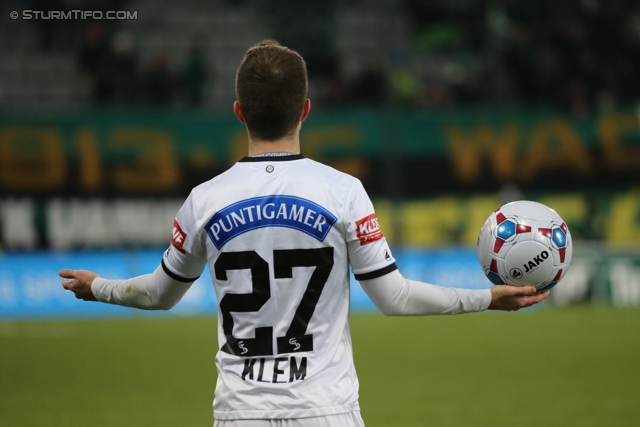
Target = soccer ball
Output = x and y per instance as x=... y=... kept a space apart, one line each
x=525 y=243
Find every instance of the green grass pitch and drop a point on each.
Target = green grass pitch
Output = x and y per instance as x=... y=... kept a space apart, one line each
x=550 y=367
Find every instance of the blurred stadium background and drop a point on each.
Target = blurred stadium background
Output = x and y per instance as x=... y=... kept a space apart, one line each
x=445 y=109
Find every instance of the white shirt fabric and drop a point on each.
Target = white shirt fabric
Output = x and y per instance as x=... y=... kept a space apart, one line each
x=392 y=294
x=279 y=234
x=155 y=291
x=396 y=296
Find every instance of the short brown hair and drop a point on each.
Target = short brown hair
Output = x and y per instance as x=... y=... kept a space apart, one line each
x=271 y=87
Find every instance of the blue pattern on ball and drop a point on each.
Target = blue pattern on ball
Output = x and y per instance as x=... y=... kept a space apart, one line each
x=559 y=238
x=506 y=229
x=495 y=278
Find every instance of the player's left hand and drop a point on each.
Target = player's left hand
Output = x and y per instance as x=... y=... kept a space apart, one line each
x=81 y=283
x=512 y=298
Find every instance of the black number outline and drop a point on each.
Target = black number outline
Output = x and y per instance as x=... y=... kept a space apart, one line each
x=296 y=339
x=262 y=344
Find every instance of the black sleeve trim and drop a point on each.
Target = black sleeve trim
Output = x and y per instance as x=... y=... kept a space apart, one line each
x=378 y=273
x=174 y=276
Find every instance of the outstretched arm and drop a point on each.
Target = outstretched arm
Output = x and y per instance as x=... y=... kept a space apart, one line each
x=155 y=291
x=396 y=296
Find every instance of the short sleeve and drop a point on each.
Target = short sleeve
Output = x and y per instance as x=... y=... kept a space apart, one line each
x=369 y=253
x=185 y=258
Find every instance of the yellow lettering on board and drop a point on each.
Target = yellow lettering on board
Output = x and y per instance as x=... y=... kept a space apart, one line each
x=556 y=146
x=201 y=158
x=432 y=222
x=468 y=150
x=154 y=169
x=31 y=158
x=353 y=167
x=387 y=212
x=89 y=167
x=616 y=155
x=623 y=225
x=476 y=212
x=572 y=208
x=239 y=146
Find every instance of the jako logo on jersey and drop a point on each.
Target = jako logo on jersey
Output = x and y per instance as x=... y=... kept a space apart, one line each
x=368 y=229
x=242 y=347
x=269 y=211
x=178 y=236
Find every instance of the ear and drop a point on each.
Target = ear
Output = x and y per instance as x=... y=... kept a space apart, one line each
x=305 y=109
x=238 y=111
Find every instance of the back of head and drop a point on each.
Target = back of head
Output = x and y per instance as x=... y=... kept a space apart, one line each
x=271 y=87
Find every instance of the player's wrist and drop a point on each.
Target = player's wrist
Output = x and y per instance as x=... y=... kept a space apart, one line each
x=97 y=288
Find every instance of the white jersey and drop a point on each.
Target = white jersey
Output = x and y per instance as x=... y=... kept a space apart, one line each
x=279 y=234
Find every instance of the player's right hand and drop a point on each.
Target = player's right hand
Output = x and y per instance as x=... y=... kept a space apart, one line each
x=512 y=298
x=81 y=283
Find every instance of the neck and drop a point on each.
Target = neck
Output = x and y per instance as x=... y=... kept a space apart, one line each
x=291 y=145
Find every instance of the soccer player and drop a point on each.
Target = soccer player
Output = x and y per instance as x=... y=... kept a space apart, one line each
x=279 y=233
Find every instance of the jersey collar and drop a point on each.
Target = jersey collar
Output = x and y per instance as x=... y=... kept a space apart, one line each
x=272 y=158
